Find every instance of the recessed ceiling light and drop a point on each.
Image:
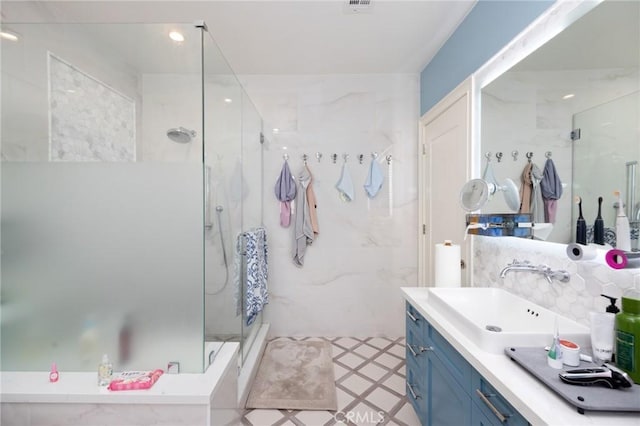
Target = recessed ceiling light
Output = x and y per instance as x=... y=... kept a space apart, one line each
x=176 y=36
x=276 y=130
x=568 y=96
x=8 y=36
x=228 y=100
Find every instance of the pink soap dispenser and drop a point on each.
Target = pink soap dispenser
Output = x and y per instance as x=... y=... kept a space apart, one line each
x=53 y=375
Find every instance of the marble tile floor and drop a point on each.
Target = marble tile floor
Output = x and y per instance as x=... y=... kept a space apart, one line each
x=370 y=382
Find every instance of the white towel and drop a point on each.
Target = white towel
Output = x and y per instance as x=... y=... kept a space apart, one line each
x=374 y=179
x=345 y=185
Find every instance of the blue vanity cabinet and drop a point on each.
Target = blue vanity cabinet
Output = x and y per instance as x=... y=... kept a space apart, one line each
x=443 y=387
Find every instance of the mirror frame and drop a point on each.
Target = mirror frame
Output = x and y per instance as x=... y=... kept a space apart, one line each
x=559 y=16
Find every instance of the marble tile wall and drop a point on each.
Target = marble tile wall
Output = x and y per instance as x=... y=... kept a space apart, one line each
x=575 y=299
x=367 y=248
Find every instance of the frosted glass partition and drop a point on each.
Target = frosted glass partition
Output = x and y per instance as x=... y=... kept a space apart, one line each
x=95 y=250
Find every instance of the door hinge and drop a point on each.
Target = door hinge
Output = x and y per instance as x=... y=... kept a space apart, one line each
x=424 y=149
x=575 y=134
x=424 y=229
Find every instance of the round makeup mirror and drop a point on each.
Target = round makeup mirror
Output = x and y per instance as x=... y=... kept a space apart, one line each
x=474 y=194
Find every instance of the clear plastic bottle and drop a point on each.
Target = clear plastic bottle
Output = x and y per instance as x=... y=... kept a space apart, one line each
x=105 y=371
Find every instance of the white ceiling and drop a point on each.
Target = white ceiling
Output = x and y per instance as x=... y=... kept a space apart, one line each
x=285 y=37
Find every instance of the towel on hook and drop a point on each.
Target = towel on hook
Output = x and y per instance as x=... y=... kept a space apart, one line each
x=303 y=231
x=551 y=187
x=286 y=191
x=537 y=203
x=374 y=179
x=525 y=189
x=345 y=184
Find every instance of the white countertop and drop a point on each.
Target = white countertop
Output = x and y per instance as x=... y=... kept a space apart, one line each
x=82 y=388
x=537 y=403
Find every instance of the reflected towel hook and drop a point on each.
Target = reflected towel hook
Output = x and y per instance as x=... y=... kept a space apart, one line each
x=547 y=154
x=285 y=156
x=388 y=158
x=499 y=156
x=374 y=155
x=487 y=155
x=334 y=158
x=360 y=158
x=529 y=156
x=304 y=158
x=319 y=156
x=514 y=154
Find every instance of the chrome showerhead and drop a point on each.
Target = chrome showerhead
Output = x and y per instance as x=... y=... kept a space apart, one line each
x=181 y=134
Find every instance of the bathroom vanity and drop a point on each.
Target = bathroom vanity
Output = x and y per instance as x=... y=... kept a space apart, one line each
x=452 y=381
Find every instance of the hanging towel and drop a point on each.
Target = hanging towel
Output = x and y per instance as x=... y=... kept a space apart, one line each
x=313 y=204
x=374 y=179
x=537 y=203
x=525 y=189
x=257 y=270
x=551 y=187
x=285 y=192
x=303 y=233
x=345 y=184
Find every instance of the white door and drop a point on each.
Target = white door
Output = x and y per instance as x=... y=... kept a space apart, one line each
x=445 y=134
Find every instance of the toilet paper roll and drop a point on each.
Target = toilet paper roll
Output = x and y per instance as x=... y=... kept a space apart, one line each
x=447 y=265
x=577 y=251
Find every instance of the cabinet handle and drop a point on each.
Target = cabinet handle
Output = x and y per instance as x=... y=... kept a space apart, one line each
x=485 y=398
x=414 y=319
x=412 y=351
x=413 y=393
x=420 y=350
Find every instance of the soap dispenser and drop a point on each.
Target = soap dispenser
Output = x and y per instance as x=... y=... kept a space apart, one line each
x=612 y=308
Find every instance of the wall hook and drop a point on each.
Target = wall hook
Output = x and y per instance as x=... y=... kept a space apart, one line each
x=360 y=158
x=304 y=158
x=286 y=157
x=334 y=158
x=345 y=156
x=319 y=156
x=388 y=158
x=529 y=156
x=374 y=155
x=547 y=154
x=499 y=156
x=487 y=155
x=514 y=154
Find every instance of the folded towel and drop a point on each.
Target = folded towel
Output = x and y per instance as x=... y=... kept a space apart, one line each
x=345 y=185
x=374 y=179
x=285 y=191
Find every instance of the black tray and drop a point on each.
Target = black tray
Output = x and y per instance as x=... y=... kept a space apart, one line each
x=584 y=398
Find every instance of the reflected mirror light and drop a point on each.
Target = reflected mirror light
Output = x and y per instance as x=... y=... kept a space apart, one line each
x=7 y=35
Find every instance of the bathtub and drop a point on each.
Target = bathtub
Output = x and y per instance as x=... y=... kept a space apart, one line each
x=209 y=398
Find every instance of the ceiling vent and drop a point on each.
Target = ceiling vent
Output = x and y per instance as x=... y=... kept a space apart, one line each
x=357 y=6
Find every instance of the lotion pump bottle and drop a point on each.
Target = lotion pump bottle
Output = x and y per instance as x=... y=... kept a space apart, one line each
x=54 y=375
x=623 y=234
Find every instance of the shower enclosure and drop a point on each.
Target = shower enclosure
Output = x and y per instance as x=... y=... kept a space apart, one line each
x=131 y=164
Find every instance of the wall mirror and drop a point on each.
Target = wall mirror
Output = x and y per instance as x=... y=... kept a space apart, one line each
x=574 y=99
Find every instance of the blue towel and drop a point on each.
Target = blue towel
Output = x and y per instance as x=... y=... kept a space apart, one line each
x=257 y=294
x=374 y=179
x=345 y=185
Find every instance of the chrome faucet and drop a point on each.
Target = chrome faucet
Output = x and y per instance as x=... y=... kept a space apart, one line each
x=549 y=274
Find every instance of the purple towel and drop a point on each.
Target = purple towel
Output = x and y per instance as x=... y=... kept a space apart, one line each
x=551 y=188
x=286 y=191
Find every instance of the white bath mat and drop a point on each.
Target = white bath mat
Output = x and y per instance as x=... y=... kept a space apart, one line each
x=295 y=375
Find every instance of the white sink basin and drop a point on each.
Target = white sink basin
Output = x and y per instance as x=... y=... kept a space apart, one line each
x=495 y=319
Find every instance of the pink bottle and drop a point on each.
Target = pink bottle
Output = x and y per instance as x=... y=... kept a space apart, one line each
x=53 y=375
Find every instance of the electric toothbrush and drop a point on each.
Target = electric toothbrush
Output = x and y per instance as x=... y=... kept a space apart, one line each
x=581 y=225
x=598 y=226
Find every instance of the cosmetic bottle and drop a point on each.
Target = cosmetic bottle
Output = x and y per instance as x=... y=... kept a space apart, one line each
x=54 y=375
x=105 y=371
x=628 y=336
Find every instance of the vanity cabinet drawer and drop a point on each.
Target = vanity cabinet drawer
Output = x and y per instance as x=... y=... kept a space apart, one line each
x=416 y=388
x=415 y=321
x=415 y=350
x=453 y=361
x=494 y=406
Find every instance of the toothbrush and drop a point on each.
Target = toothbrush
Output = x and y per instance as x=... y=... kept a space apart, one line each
x=581 y=225
x=598 y=226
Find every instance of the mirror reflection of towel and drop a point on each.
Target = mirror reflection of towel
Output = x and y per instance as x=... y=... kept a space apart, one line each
x=345 y=185
x=374 y=179
x=551 y=188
